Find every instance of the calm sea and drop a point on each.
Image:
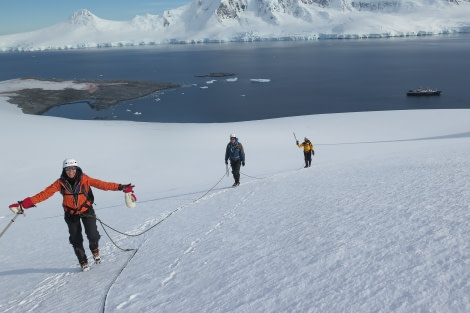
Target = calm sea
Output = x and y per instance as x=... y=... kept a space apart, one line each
x=272 y=79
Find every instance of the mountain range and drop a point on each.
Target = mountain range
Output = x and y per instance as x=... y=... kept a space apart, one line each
x=208 y=21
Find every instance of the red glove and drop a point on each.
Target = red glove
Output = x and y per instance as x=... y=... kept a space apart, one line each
x=27 y=203
x=18 y=207
x=127 y=188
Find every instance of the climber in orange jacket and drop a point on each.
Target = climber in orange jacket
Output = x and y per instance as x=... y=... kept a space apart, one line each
x=78 y=200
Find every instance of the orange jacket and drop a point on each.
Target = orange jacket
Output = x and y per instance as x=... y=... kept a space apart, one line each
x=78 y=200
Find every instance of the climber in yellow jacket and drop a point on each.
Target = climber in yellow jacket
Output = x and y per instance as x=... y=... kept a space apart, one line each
x=308 y=151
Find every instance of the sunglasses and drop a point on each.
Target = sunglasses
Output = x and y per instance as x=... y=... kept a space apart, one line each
x=70 y=168
x=233 y=138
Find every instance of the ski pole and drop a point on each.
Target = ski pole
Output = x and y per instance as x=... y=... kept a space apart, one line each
x=9 y=224
x=295 y=137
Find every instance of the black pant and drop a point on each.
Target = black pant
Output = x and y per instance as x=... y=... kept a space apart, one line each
x=308 y=158
x=236 y=170
x=75 y=231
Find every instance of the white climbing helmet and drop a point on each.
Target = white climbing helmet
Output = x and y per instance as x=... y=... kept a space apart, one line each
x=69 y=162
x=232 y=135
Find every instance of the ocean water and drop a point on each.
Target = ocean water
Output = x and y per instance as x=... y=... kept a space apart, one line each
x=272 y=79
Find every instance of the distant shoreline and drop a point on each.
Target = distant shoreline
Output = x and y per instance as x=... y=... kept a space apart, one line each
x=38 y=95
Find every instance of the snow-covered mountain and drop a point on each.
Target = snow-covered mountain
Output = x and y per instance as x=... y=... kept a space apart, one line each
x=202 y=21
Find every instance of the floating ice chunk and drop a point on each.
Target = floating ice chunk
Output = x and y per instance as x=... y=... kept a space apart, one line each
x=137 y=113
x=128 y=110
x=211 y=81
x=233 y=79
x=260 y=80
x=203 y=87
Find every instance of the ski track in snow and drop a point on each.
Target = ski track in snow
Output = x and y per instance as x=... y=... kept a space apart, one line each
x=47 y=288
x=173 y=267
x=227 y=216
x=31 y=301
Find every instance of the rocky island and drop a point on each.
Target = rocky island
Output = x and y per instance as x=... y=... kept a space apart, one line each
x=37 y=95
x=220 y=74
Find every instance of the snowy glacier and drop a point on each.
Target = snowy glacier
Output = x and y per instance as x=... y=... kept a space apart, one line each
x=218 y=21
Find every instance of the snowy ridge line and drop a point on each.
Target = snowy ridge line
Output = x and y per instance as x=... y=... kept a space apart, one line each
x=451 y=136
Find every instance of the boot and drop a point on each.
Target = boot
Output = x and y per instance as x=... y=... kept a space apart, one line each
x=96 y=255
x=84 y=265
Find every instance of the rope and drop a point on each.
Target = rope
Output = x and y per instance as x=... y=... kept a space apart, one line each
x=211 y=188
x=135 y=235
x=246 y=174
x=123 y=249
x=115 y=279
x=252 y=176
x=153 y=226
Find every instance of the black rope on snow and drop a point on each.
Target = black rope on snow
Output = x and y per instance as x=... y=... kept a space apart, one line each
x=210 y=189
x=114 y=280
x=252 y=176
x=246 y=174
x=158 y=223
x=123 y=249
x=163 y=219
x=135 y=250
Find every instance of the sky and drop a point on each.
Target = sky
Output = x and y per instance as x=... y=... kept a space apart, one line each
x=17 y=16
x=379 y=223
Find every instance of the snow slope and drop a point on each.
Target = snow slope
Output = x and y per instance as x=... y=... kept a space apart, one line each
x=380 y=223
x=251 y=20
